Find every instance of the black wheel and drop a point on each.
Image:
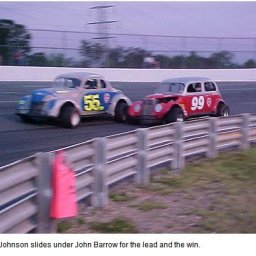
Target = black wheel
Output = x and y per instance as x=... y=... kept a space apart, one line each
x=174 y=115
x=70 y=117
x=26 y=119
x=121 y=112
x=222 y=110
x=131 y=120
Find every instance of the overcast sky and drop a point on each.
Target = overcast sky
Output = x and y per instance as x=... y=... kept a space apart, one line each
x=220 y=19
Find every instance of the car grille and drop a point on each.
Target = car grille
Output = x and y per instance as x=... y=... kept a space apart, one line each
x=148 y=106
x=36 y=109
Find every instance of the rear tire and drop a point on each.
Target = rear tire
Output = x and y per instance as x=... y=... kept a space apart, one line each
x=174 y=115
x=70 y=117
x=222 y=110
x=121 y=112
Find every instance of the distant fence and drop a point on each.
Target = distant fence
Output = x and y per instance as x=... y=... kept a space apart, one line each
x=25 y=190
x=69 y=44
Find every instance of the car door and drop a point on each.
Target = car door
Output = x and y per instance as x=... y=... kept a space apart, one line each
x=91 y=98
x=195 y=99
x=106 y=95
x=97 y=97
x=211 y=96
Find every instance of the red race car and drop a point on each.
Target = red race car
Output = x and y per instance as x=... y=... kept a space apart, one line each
x=178 y=99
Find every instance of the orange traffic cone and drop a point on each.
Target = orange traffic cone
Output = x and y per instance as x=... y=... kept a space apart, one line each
x=63 y=203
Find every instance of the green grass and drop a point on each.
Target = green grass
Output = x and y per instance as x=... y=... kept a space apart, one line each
x=231 y=182
x=117 y=225
x=63 y=226
x=80 y=221
x=120 y=196
x=229 y=168
x=149 y=205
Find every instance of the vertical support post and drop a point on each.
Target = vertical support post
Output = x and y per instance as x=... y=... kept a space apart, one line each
x=142 y=177
x=45 y=223
x=213 y=151
x=145 y=42
x=184 y=51
x=245 y=140
x=64 y=45
x=100 y=198
x=179 y=158
x=219 y=49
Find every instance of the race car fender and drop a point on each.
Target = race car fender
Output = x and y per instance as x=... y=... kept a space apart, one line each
x=59 y=103
x=131 y=109
x=217 y=104
x=166 y=107
x=115 y=100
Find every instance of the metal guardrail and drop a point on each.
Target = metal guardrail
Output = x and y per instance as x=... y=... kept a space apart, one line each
x=18 y=195
x=25 y=186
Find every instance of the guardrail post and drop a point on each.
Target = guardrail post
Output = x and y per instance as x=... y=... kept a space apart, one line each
x=45 y=223
x=245 y=141
x=142 y=177
x=100 y=197
x=179 y=158
x=213 y=151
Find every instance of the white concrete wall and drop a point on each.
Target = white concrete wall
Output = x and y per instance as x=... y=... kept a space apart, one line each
x=24 y=73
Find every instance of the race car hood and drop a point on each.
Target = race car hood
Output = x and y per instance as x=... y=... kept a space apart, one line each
x=160 y=97
x=39 y=94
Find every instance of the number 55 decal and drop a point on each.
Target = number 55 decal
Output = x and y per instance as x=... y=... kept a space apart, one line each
x=92 y=102
x=197 y=103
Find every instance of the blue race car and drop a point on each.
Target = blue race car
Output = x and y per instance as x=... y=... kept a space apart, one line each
x=73 y=96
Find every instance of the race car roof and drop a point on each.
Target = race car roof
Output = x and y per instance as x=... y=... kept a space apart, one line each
x=80 y=75
x=186 y=80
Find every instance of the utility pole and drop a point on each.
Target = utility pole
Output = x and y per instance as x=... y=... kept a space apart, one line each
x=102 y=23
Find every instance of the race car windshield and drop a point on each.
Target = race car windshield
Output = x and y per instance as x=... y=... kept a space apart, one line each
x=63 y=82
x=165 y=88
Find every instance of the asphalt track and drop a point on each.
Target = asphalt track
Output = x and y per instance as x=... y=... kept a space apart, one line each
x=19 y=140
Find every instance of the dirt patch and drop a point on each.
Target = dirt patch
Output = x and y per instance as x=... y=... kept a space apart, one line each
x=151 y=212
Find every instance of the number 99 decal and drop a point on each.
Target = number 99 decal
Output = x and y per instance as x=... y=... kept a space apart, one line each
x=92 y=103
x=197 y=103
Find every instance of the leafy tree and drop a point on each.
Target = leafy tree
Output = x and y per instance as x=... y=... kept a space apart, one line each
x=133 y=58
x=178 y=61
x=38 y=59
x=13 y=37
x=195 y=61
x=115 y=58
x=165 y=61
x=97 y=55
x=249 y=64
x=94 y=54
x=222 y=59
x=59 y=60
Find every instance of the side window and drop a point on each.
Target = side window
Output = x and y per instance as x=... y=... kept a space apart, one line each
x=91 y=84
x=190 y=88
x=194 y=87
x=209 y=87
x=102 y=84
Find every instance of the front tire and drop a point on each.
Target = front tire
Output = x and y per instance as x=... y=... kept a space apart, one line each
x=26 y=119
x=174 y=115
x=70 y=117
